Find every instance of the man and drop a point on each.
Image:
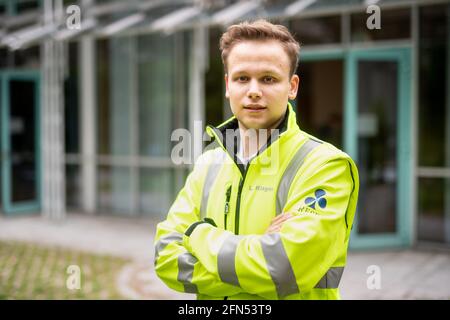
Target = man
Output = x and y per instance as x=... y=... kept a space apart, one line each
x=263 y=218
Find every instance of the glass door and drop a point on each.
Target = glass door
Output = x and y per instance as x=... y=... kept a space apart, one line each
x=378 y=137
x=20 y=152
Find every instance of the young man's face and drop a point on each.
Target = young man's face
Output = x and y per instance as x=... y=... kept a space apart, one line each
x=258 y=84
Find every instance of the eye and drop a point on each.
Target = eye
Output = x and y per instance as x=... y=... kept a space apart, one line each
x=268 y=79
x=242 y=78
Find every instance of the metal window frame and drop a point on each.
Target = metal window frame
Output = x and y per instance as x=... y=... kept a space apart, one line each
x=414 y=121
x=427 y=171
x=235 y=11
x=88 y=127
x=297 y=7
x=402 y=236
x=22 y=207
x=169 y=22
x=90 y=160
x=447 y=136
x=67 y=34
x=121 y=24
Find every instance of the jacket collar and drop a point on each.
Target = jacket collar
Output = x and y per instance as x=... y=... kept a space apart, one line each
x=230 y=142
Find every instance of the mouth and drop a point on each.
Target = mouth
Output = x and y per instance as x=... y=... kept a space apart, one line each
x=254 y=107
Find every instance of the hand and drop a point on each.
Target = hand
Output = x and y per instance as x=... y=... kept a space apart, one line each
x=278 y=221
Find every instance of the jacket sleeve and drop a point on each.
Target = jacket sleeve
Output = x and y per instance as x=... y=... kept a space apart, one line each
x=177 y=267
x=296 y=258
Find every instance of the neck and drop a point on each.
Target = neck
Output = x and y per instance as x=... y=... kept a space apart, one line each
x=254 y=139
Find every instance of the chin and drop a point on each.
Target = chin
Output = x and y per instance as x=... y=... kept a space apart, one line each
x=251 y=124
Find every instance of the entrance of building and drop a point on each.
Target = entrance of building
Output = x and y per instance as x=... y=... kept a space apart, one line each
x=20 y=140
x=360 y=101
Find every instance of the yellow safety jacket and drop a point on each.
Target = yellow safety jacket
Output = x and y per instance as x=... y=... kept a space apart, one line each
x=213 y=242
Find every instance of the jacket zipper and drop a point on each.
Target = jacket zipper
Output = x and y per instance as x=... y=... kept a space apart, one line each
x=241 y=185
x=226 y=211
x=238 y=203
x=227 y=206
x=238 y=200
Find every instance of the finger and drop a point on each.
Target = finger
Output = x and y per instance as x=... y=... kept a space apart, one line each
x=274 y=229
x=274 y=226
x=269 y=230
x=280 y=221
x=282 y=216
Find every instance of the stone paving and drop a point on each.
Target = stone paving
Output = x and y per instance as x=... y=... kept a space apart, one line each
x=403 y=274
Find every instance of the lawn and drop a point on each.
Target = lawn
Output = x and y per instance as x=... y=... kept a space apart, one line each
x=30 y=271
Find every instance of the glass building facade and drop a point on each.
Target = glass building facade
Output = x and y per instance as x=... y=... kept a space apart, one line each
x=382 y=95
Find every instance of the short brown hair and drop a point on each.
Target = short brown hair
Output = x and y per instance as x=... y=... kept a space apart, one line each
x=260 y=30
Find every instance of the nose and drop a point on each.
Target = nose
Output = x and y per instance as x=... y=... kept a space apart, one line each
x=254 y=90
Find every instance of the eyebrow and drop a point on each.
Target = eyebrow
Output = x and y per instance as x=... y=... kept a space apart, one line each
x=270 y=71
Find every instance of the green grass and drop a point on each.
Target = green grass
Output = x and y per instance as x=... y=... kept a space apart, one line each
x=29 y=271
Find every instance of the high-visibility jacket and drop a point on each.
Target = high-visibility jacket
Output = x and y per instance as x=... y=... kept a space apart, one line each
x=213 y=242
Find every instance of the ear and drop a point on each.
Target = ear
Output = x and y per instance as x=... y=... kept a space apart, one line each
x=294 y=83
x=227 y=94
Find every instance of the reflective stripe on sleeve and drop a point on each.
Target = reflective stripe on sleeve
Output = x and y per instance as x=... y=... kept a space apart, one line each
x=164 y=241
x=331 y=279
x=186 y=262
x=278 y=265
x=226 y=260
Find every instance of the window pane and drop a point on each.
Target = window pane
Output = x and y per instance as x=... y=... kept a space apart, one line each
x=394 y=24
x=157 y=94
x=73 y=187
x=28 y=58
x=115 y=59
x=114 y=189
x=315 y=31
x=22 y=127
x=434 y=210
x=433 y=62
x=71 y=101
x=321 y=114
x=5 y=57
x=26 y=5
x=214 y=81
x=377 y=146
x=156 y=191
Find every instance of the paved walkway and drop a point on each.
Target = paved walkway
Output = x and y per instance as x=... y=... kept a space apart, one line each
x=406 y=274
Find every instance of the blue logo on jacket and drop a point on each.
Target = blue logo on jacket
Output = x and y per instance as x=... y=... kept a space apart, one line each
x=319 y=199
